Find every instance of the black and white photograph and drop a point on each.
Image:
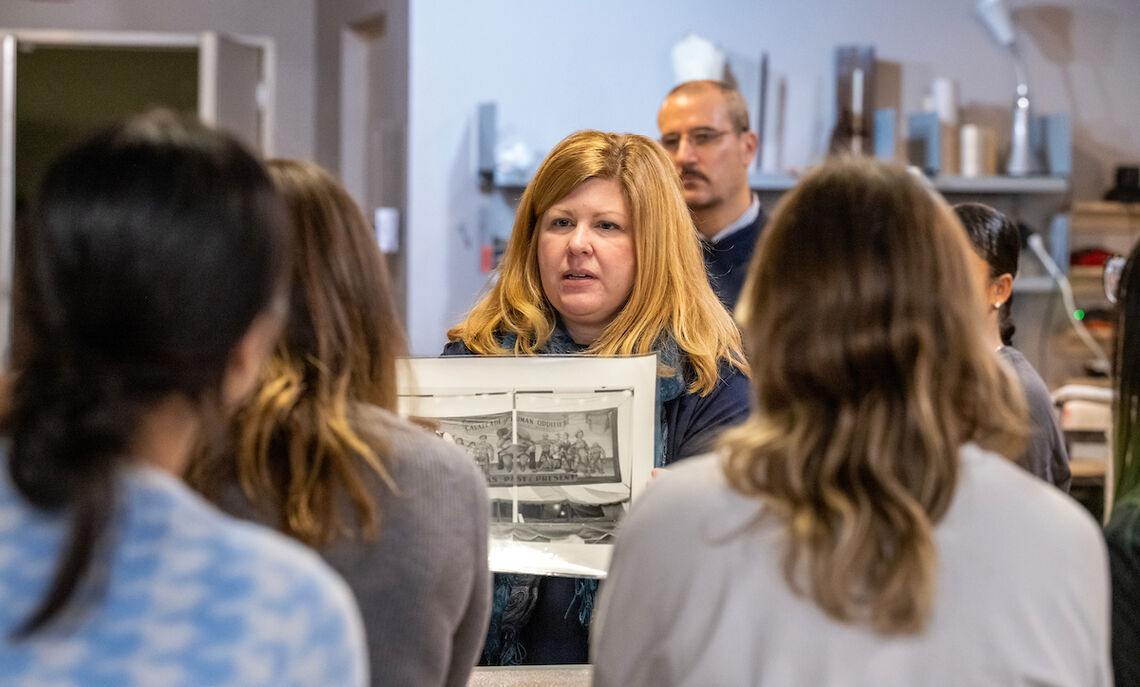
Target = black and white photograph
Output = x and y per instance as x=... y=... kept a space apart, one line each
x=486 y=438
x=566 y=454
x=563 y=459
x=544 y=449
x=556 y=521
x=572 y=447
x=552 y=452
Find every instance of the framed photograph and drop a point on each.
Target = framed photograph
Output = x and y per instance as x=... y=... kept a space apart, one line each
x=565 y=443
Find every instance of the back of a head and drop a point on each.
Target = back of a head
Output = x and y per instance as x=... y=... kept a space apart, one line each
x=299 y=445
x=869 y=372
x=154 y=245
x=993 y=235
x=342 y=318
x=996 y=240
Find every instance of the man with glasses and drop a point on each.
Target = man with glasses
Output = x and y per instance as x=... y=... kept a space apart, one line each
x=704 y=128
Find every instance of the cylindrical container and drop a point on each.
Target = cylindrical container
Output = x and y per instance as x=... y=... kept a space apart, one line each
x=944 y=92
x=695 y=57
x=972 y=150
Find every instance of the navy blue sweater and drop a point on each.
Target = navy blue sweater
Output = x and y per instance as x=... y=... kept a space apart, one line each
x=727 y=261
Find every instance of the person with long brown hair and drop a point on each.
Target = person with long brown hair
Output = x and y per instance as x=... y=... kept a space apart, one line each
x=603 y=259
x=865 y=525
x=319 y=454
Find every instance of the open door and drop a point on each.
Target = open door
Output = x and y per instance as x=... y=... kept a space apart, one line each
x=374 y=134
x=57 y=86
x=235 y=87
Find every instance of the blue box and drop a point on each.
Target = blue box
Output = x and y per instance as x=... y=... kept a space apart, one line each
x=924 y=142
x=1058 y=145
x=883 y=135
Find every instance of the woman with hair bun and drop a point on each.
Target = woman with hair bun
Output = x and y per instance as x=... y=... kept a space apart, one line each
x=864 y=526
x=997 y=247
x=151 y=288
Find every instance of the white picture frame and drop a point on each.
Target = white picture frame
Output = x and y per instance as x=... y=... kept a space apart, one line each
x=565 y=443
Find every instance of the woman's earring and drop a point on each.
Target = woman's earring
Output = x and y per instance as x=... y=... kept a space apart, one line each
x=997 y=306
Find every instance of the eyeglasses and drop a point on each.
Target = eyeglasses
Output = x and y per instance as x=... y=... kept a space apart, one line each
x=699 y=137
x=1113 y=270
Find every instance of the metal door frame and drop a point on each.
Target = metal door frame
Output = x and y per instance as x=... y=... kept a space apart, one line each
x=11 y=39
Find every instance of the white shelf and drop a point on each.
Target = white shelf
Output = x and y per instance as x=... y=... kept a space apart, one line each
x=1087 y=274
x=518 y=180
x=768 y=181
x=1044 y=185
x=946 y=184
x=1106 y=217
x=1034 y=285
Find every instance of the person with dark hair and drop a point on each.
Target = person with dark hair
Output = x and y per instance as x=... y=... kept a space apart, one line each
x=151 y=285
x=1123 y=529
x=864 y=526
x=704 y=127
x=321 y=455
x=997 y=247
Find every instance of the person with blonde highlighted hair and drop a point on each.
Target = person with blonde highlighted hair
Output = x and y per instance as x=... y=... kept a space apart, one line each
x=867 y=524
x=319 y=453
x=604 y=259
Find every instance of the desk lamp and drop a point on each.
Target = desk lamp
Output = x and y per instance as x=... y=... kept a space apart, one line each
x=995 y=15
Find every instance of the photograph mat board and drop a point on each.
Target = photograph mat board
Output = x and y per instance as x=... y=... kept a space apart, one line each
x=565 y=444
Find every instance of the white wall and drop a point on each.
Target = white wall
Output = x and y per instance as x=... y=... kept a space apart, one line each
x=291 y=23
x=557 y=67
x=333 y=16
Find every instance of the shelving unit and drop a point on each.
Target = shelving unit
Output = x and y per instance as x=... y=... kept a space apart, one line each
x=1108 y=218
x=1034 y=285
x=1002 y=185
x=766 y=182
x=1108 y=226
x=761 y=181
x=1114 y=228
x=1041 y=202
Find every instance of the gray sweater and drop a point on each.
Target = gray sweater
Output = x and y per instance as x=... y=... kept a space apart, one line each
x=423 y=587
x=1045 y=454
x=696 y=593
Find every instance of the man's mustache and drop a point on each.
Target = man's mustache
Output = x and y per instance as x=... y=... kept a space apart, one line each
x=692 y=173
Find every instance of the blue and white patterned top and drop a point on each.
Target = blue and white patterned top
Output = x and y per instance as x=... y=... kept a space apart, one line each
x=192 y=598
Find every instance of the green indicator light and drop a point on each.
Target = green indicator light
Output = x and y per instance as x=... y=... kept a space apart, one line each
x=1079 y=314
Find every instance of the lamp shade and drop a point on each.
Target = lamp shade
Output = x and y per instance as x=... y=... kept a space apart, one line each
x=995 y=15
